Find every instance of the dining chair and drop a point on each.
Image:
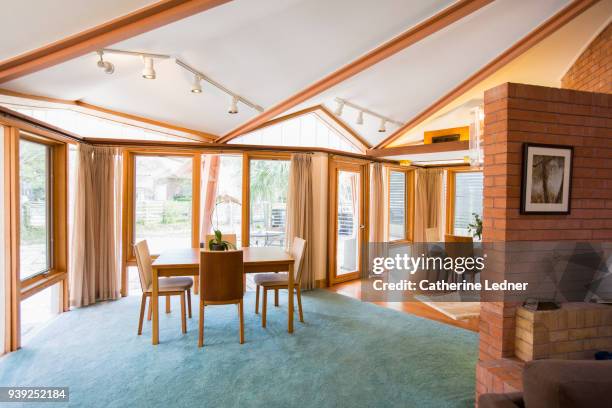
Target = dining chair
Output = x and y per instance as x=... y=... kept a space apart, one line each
x=173 y=286
x=276 y=281
x=221 y=283
x=457 y=246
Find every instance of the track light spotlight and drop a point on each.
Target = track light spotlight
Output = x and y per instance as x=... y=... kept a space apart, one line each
x=339 y=108
x=233 y=109
x=148 y=72
x=382 y=128
x=197 y=84
x=360 y=118
x=108 y=67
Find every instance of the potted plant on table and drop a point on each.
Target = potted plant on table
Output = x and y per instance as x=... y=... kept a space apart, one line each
x=218 y=244
x=475 y=228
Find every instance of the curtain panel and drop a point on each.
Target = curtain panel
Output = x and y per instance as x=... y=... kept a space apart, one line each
x=95 y=257
x=210 y=178
x=377 y=204
x=429 y=205
x=300 y=212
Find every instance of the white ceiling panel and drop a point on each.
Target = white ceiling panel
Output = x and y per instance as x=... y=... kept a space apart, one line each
x=263 y=50
x=31 y=24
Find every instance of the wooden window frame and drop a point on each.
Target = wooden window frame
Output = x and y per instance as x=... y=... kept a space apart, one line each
x=129 y=203
x=17 y=289
x=336 y=164
x=246 y=187
x=450 y=194
x=408 y=203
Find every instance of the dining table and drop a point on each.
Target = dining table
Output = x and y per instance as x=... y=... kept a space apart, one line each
x=186 y=262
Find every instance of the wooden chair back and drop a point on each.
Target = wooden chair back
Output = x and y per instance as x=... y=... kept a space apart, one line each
x=226 y=237
x=221 y=276
x=144 y=263
x=298 y=247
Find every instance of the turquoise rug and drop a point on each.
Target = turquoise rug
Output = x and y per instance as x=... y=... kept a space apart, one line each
x=347 y=354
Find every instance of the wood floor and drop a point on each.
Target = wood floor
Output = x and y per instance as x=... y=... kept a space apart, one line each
x=353 y=289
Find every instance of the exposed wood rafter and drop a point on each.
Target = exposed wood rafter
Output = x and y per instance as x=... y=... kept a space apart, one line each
x=116 y=30
x=420 y=149
x=551 y=25
x=422 y=30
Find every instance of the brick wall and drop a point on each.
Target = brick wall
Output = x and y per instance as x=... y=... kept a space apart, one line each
x=515 y=114
x=592 y=71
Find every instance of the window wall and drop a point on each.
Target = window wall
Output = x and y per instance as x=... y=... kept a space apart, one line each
x=163 y=201
x=35 y=222
x=36 y=176
x=400 y=203
x=268 y=186
x=465 y=201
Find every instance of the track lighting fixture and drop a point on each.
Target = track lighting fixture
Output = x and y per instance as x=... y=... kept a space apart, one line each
x=362 y=111
x=148 y=71
x=108 y=67
x=339 y=108
x=233 y=109
x=197 y=84
x=360 y=118
x=382 y=128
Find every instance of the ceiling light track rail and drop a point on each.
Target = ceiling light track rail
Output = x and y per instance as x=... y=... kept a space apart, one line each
x=216 y=84
x=149 y=73
x=344 y=102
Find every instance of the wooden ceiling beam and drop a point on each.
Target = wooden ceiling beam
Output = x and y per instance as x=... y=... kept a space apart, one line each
x=111 y=32
x=551 y=25
x=421 y=149
x=417 y=33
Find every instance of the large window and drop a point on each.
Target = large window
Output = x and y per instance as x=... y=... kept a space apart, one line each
x=227 y=211
x=467 y=200
x=397 y=205
x=269 y=181
x=163 y=201
x=35 y=199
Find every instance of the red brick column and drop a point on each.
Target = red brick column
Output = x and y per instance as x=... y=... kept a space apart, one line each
x=517 y=114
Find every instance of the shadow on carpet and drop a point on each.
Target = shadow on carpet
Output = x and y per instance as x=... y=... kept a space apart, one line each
x=347 y=354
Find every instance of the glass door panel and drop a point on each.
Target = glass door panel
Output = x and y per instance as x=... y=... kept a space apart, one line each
x=348 y=222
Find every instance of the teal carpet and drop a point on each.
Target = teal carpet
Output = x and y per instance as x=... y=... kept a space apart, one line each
x=347 y=354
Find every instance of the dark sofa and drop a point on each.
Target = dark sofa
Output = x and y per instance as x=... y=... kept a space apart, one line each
x=559 y=384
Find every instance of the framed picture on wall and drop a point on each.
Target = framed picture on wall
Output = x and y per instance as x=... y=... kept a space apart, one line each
x=547 y=177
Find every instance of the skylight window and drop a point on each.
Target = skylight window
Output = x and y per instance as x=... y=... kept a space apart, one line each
x=308 y=130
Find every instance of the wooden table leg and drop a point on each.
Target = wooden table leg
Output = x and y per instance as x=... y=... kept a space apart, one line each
x=290 y=299
x=155 y=306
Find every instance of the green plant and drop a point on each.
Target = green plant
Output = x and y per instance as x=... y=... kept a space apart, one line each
x=218 y=244
x=475 y=228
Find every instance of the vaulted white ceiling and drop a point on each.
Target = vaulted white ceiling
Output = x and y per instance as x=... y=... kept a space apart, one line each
x=269 y=50
x=31 y=24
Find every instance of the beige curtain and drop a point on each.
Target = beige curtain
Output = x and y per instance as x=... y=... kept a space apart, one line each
x=377 y=203
x=300 y=212
x=210 y=175
x=429 y=203
x=94 y=272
